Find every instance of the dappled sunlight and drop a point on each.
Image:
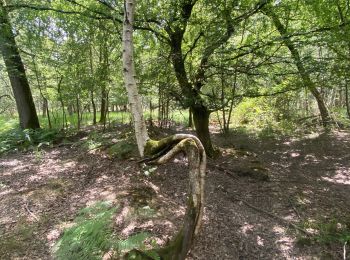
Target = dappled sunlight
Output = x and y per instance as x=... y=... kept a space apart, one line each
x=260 y=241
x=246 y=228
x=5 y=191
x=341 y=176
x=284 y=243
x=10 y=163
x=311 y=158
x=99 y=194
x=50 y=189
x=121 y=217
x=294 y=154
x=17 y=169
x=129 y=229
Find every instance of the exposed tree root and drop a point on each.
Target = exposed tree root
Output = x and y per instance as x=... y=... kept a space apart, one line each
x=163 y=151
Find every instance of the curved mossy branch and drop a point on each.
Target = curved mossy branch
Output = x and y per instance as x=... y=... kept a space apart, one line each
x=178 y=248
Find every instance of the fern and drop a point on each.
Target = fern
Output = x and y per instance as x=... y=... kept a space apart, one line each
x=90 y=238
x=136 y=242
x=133 y=242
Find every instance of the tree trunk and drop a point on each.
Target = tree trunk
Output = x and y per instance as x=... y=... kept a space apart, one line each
x=62 y=103
x=129 y=78
x=44 y=107
x=46 y=111
x=25 y=105
x=201 y=123
x=92 y=89
x=200 y=112
x=93 y=107
x=347 y=81
x=190 y=121
x=103 y=104
x=78 y=111
x=347 y=104
x=233 y=93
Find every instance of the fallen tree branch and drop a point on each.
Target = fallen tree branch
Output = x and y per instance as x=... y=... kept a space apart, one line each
x=224 y=170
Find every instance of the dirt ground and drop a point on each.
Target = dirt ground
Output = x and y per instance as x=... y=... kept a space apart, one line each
x=255 y=192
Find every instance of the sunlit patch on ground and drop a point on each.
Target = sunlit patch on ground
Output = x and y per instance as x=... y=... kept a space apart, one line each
x=342 y=176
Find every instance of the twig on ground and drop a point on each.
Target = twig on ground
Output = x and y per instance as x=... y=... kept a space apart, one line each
x=31 y=213
x=294 y=208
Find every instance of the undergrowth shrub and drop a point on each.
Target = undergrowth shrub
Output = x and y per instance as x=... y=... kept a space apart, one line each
x=18 y=139
x=327 y=232
x=123 y=149
x=92 y=236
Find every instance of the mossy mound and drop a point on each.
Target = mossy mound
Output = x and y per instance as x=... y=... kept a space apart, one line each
x=123 y=150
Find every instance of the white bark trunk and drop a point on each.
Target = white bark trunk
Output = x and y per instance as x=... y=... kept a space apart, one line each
x=129 y=77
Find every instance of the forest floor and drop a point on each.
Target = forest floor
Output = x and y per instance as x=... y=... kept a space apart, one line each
x=259 y=195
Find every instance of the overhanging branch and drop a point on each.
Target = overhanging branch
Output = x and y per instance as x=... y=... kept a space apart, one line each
x=68 y=12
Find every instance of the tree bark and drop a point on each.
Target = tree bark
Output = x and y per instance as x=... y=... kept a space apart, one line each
x=347 y=104
x=24 y=101
x=178 y=248
x=191 y=95
x=190 y=121
x=201 y=122
x=92 y=88
x=44 y=107
x=129 y=78
x=77 y=102
x=103 y=111
x=64 y=120
x=93 y=107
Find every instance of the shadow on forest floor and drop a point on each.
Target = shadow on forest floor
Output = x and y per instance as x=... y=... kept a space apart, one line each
x=308 y=185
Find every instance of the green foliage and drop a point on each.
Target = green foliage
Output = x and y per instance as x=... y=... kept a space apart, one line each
x=92 y=236
x=123 y=149
x=133 y=242
x=327 y=232
x=20 y=237
x=27 y=139
x=263 y=117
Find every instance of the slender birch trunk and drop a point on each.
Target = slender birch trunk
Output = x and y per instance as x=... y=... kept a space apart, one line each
x=129 y=78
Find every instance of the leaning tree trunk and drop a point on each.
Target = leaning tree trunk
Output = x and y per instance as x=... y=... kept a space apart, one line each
x=326 y=119
x=163 y=151
x=25 y=105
